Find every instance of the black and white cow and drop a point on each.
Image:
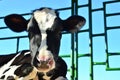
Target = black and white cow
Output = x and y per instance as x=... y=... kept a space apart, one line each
x=44 y=31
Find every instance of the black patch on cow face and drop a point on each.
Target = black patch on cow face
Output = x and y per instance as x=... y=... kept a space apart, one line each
x=34 y=33
x=33 y=28
x=34 y=36
x=54 y=37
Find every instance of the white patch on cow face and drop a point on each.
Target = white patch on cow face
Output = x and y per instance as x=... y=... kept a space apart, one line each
x=45 y=54
x=45 y=18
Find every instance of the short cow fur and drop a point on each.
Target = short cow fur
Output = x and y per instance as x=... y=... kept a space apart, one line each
x=44 y=31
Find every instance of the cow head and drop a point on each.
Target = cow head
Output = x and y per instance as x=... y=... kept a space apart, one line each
x=44 y=31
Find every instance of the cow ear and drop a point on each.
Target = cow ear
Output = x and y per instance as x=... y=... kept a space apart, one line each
x=16 y=22
x=73 y=23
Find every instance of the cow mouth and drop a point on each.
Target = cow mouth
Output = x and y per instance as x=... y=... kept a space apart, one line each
x=45 y=65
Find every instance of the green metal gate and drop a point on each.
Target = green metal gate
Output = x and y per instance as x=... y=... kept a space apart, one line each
x=75 y=55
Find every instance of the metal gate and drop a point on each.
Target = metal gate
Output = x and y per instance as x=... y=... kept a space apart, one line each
x=91 y=36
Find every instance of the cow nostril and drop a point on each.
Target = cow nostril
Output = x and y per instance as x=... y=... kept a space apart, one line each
x=10 y=78
x=46 y=62
x=51 y=61
x=43 y=58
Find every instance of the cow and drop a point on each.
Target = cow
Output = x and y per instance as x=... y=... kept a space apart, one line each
x=44 y=29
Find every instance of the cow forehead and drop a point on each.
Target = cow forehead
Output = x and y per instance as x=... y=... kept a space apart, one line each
x=45 y=18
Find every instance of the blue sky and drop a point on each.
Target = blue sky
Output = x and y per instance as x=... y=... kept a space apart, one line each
x=26 y=6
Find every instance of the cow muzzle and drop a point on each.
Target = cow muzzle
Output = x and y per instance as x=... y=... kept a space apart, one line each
x=45 y=63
